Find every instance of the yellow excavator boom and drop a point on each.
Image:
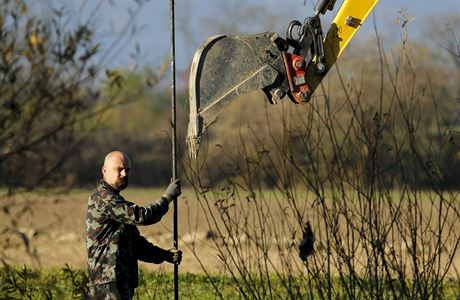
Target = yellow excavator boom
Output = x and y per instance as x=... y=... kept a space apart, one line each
x=348 y=20
x=346 y=23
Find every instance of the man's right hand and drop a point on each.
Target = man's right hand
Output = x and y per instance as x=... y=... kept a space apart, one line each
x=173 y=190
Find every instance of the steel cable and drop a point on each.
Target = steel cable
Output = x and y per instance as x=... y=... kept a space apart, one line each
x=173 y=141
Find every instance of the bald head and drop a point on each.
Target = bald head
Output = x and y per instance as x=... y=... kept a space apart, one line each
x=116 y=169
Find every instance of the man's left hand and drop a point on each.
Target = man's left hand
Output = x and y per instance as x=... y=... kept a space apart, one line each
x=174 y=256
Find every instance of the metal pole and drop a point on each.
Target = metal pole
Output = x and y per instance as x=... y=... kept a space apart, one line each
x=173 y=141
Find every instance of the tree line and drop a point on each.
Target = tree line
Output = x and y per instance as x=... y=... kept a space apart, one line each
x=62 y=112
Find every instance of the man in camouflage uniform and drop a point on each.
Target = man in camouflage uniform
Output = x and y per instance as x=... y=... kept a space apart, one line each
x=113 y=241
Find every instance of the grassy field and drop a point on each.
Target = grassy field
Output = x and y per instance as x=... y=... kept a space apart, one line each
x=70 y=283
x=45 y=232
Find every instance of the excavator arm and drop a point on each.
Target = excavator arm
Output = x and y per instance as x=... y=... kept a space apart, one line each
x=226 y=67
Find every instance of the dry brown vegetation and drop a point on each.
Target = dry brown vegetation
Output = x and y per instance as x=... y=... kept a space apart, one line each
x=233 y=232
x=372 y=163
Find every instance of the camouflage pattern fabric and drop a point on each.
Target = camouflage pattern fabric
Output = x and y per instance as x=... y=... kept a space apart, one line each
x=110 y=291
x=113 y=241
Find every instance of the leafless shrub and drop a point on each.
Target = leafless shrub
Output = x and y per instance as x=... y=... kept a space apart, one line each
x=375 y=186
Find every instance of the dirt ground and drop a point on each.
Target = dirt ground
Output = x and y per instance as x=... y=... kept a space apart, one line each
x=50 y=230
x=46 y=230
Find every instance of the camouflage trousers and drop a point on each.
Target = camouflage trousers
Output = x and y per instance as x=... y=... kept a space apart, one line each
x=111 y=291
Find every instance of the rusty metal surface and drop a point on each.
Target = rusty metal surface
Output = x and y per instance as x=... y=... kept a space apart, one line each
x=295 y=66
x=225 y=67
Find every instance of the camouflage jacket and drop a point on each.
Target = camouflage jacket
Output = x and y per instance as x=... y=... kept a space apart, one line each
x=113 y=241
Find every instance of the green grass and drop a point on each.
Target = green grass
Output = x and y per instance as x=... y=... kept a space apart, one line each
x=68 y=283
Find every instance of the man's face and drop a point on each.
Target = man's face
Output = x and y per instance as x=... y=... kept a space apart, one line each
x=116 y=170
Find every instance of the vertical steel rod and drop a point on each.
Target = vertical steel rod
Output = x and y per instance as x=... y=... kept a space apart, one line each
x=173 y=142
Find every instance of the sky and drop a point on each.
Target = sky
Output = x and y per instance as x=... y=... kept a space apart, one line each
x=195 y=20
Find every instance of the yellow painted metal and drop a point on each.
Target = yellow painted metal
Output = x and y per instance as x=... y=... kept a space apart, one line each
x=346 y=23
x=348 y=20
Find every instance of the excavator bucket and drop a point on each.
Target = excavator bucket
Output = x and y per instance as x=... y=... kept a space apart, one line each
x=223 y=68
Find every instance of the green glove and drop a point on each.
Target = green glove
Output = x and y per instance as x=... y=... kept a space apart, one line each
x=173 y=190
